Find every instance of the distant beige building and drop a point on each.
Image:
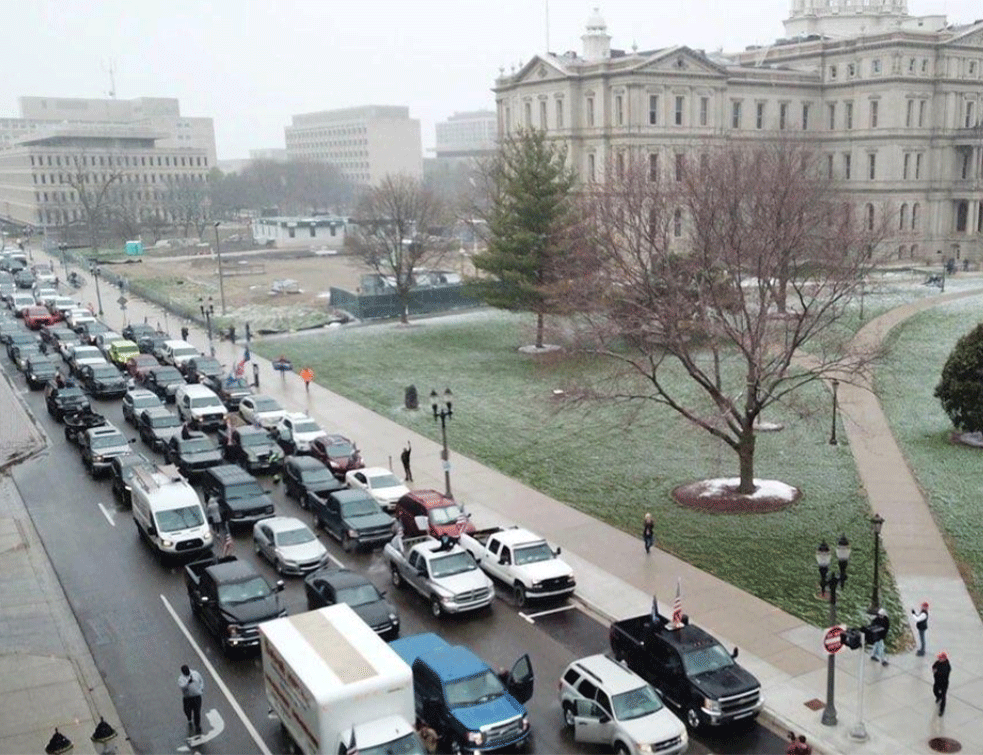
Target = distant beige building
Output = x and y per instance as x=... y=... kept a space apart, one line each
x=364 y=143
x=894 y=101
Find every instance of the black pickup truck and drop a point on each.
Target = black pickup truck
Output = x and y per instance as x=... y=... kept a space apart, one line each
x=232 y=599
x=691 y=670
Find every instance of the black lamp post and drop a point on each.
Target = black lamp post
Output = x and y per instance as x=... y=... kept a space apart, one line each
x=221 y=280
x=94 y=269
x=875 y=597
x=832 y=581
x=832 y=435
x=207 y=310
x=443 y=413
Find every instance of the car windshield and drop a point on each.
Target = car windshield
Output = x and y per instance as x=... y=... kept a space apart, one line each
x=243 y=592
x=196 y=445
x=40 y=363
x=445 y=514
x=208 y=365
x=316 y=476
x=359 y=595
x=636 y=704
x=383 y=481
x=143 y=402
x=361 y=507
x=254 y=439
x=203 y=402
x=307 y=426
x=105 y=372
x=169 y=375
x=87 y=352
x=165 y=420
x=298 y=536
x=707 y=659
x=69 y=393
x=533 y=553
x=237 y=384
x=184 y=351
x=266 y=405
x=183 y=518
x=243 y=490
x=473 y=690
x=455 y=563
x=108 y=441
x=407 y=745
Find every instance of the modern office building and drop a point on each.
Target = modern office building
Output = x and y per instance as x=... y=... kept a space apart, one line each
x=364 y=143
x=894 y=102
x=467 y=135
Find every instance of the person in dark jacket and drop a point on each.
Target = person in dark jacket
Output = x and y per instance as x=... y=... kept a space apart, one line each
x=880 y=620
x=921 y=624
x=648 y=532
x=940 y=676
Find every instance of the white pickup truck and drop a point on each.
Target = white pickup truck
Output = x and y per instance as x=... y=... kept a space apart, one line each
x=443 y=573
x=521 y=560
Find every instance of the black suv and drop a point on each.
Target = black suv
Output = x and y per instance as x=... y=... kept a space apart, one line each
x=137 y=330
x=102 y=380
x=230 y=394
x=199 y=369
x=240 y=498
x=62 y=400
x=121 y=469
x=163 y=381
x=305 y=474
x=157 y=426
x=192 y=452
x=251 y=447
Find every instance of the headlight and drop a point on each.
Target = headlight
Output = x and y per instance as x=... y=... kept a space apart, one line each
x=287 y=562
x=394 y=618
x=166 y=544
x=525 y=723
x=643 y=747
x=476 y=737
x=353 y=533
x=536 y=583
x=98 y=457
x=207 y=538
x=233 y=630
x=711 y=706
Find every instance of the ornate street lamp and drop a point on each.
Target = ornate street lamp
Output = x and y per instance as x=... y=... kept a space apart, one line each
x=443 y=413
x=832 y=581
x=875 y=597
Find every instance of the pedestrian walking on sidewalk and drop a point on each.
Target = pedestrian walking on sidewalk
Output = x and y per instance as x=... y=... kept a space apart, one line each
x=940 y=679
x=801 y=747
x=648 y=532
x=921 y=624
x=793 y=746
x=405 y=458
x=192 y=685
x=880 y=620
x=308 y=375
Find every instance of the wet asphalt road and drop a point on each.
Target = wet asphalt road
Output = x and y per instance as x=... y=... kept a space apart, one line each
x=135 y=616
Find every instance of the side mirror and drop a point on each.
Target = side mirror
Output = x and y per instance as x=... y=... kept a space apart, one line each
x=279 y=585
x=558 y=551
x=422 y=571
x=604 y=718
x=152 y=531
x=501 y=561
x=734 y=654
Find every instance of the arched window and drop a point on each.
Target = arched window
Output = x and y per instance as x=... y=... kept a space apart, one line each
x=901 y=252
x=914 y=216
x=869 y=214
x=903 y=222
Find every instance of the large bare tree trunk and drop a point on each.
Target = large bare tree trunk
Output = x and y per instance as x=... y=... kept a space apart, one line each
x=745 y=453
x=539 y=330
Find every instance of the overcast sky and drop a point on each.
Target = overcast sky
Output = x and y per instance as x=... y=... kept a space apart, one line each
x=251 y=64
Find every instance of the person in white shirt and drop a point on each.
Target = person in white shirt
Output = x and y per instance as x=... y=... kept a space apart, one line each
x=192 y=685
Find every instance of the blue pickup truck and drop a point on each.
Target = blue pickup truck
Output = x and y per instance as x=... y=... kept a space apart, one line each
x=457 y=694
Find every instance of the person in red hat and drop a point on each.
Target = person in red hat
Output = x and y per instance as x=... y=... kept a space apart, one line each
x=921 y=624
x=940 y=675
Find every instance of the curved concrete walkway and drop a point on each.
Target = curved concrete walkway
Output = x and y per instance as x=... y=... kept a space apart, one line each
x=617 y=579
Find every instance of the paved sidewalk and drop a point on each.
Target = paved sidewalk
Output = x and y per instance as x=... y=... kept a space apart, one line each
x=784 y=652
x=48 y=678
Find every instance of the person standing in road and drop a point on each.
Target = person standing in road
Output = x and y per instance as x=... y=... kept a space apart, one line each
x=940 y=679
x=185 y=333
x=405 y=458
x=880 y=620
x=192 y=685
x=648 y=532
x=308 y=375
x=214 y=514
x=921 y=624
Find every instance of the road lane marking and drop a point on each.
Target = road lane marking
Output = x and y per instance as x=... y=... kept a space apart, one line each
x=260 y=744
x=107 y=514
x=531 y=617
x=217 y=727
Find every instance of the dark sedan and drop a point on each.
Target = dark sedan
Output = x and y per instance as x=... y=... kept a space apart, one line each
x=18 y=339
x=157 y=426
x=330 y=586
x=137 y=330
x=305 y=473
x=64 y=400
x=151 y=342
x=230 y=394
x=163 y=381
x=193 y=454
x=337 y=453
x=200 y=369
x=39 y=370
x=102 y=380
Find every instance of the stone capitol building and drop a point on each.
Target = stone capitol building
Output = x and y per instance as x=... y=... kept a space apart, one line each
x=894 y=102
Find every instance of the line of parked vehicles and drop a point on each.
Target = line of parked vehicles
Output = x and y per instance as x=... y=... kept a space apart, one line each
x=381 y=686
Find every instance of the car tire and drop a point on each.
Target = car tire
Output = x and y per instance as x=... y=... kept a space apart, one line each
x=568 y=716
x=436 y=609
x=692 y=718
x=620 y=748
x=396 y=577
x=519 y=591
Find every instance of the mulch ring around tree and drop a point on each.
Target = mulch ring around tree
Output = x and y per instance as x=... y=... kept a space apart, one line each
x=720 y=496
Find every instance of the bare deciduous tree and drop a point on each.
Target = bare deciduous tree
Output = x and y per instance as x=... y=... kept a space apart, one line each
x=92 y=182
x=739 y=270
x=398 y=228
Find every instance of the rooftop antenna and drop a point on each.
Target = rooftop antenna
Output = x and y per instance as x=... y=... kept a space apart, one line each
x=547 y=4
x=112 y=80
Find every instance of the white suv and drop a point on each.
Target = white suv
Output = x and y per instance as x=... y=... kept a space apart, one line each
x=605 y=703
x=200 y=407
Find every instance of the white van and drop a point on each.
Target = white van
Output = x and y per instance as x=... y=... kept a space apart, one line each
x=200 y=407
x=169 y=514
x=179 y=352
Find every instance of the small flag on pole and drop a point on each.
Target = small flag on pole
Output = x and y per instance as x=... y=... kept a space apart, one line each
x=462 y=522
x=677 y=606
x=352 y=747
x=655 y=610
x=240 y=368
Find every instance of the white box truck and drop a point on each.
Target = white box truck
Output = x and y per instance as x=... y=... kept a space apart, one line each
x=334 y=683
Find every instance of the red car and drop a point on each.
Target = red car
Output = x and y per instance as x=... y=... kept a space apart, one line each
x=37 y=317
x=137 y=365
x=443 y=514
x=337 y=453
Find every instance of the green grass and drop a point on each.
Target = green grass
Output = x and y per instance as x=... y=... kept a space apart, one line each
x=951 y=475
x=614 y=463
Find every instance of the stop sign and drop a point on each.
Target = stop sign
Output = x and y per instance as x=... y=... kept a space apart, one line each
x=833 y=639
